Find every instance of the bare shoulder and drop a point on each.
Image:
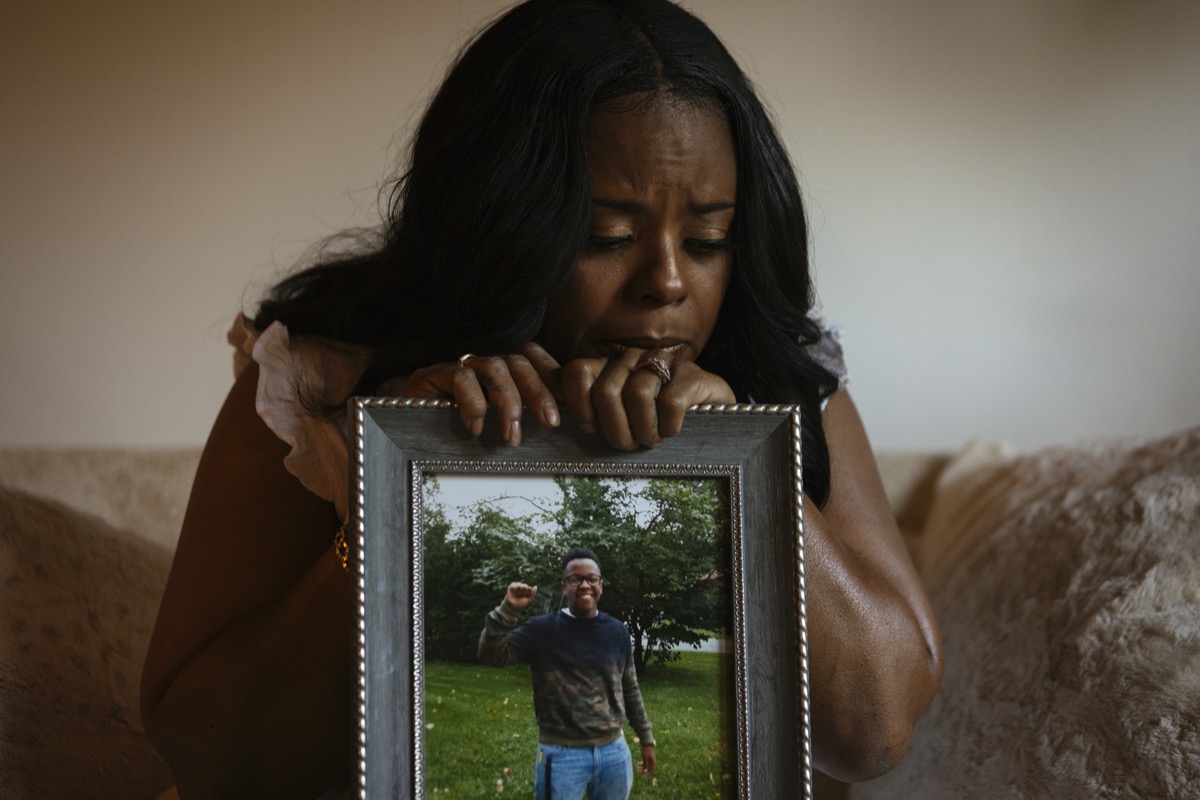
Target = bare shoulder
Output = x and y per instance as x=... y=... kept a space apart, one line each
x=860 y=516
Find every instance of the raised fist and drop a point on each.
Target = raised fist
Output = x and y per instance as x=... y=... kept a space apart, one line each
x=520 y=595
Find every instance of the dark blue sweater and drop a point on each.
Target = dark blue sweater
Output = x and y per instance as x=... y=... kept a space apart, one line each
x=584 y=681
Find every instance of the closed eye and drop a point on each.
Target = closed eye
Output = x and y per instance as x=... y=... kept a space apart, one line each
x=709 y=245
x=604 y=244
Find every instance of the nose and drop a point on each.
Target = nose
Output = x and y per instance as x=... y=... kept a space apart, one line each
x=660 y=279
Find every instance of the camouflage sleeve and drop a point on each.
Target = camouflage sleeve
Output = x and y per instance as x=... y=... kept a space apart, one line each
x=635 y=710
x=495 y=647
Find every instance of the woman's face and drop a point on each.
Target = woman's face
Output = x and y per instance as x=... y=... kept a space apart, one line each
x=658 y=259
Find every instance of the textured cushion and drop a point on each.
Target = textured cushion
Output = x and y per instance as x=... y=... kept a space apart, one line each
x=141 y=491
x=77 y=603
x=1067 y=584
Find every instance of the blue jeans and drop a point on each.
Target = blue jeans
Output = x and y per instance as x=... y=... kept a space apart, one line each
x=605 y=772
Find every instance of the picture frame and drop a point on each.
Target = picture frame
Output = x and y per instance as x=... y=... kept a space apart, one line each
x=399 y=443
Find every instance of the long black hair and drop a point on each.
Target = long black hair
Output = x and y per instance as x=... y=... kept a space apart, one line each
x=484 y=228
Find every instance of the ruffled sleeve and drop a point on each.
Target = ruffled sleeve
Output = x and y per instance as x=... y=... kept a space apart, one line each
x=828 y=353
x=293 y=374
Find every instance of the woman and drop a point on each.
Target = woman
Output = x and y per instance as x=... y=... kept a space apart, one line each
x=598 y=206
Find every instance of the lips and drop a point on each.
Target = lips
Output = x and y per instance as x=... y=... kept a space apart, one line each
x=670 y=346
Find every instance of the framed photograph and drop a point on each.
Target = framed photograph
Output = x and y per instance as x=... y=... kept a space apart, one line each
x=696 y=548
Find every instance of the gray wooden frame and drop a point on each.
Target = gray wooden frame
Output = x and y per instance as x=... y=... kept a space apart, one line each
x=756 y=447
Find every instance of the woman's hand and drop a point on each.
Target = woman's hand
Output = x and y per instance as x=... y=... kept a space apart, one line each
x=635 y=398
x=509 y=384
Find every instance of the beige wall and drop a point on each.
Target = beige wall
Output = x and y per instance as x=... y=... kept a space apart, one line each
x=1004 y=197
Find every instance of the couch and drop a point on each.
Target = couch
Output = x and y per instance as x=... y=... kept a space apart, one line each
x=1067 y=581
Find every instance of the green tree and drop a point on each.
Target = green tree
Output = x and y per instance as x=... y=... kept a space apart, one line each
x=466 y=569
x=663 y=547
x=662 y=543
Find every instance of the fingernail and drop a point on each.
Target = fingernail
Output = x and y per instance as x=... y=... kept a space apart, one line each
x=476 y=427
x=551 y=413
x=514 y=432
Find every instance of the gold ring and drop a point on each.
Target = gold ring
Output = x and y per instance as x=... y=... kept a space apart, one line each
x=464 y=358
x=656 y=365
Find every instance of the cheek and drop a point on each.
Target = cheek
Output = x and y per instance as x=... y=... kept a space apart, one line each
x=714 y=295
x=589 y=291
x=721 y=284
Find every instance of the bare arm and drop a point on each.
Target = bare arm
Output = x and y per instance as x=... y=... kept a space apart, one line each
x=246 y=689
x=876 y=652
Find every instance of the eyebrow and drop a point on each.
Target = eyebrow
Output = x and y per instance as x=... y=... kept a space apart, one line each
x=633 y=207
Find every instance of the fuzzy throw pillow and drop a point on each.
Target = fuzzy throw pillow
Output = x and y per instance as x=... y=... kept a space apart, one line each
x=78 y=600
x=1067 y=585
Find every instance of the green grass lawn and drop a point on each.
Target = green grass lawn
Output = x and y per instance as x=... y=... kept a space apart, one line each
x=481 y=737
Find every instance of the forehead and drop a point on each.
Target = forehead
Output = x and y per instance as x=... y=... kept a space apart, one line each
x=666 y=143
x=582 y=566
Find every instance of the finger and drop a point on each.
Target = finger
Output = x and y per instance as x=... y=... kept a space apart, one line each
x=453 y=382
x=468 y=394
x=689 y=385
x=437 y=380
x=535 y=394
x=625 y=398
x=608 y=401
x=578 y=377
x=640 y=395
x=546 y=366
x=502 y=394
x=675 y=398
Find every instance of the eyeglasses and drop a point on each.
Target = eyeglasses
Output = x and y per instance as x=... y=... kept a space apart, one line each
x=575 y=580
